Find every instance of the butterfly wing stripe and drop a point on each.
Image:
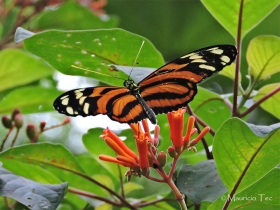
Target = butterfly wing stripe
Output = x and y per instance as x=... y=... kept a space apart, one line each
x=127 y=109
x=181 y=77
x=169 y=97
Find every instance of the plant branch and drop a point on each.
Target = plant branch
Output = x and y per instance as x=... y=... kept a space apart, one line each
x=15 y=137
x=257 y=103
x=6 y=137
x=90 y=195
x=238 y=60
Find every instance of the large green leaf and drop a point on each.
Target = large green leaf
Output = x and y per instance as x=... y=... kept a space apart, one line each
x=95 y=50
x=83 y=18
x=55 y=158
x=242 y=157
x=264 y=194
x=272 y=103
x=263 y=56
x=41 y=153
x=29 y=99
x=227 y=13
x=18 y=68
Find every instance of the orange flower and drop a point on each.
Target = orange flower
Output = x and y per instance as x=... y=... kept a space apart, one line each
x=126 y=156
x=176 y=122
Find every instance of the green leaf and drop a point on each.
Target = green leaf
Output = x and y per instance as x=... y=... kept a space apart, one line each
x=95 y=50
x=264 y=194
x=263 y=56
x=271 y=104
x=200 y=182
x=10 y=20
x=242 y=157
x=130 y=186
x=63 y=18
x=19 y=68
x=41 y=153
x=31 y=99
x=227 y=13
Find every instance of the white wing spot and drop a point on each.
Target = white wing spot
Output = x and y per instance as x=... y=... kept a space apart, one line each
x=188 y=55
x=86 y=107
x=217 y=51
x=65 y=101
x=207 y=67
x=225 y=58
x=79 y=95
x=199 y=61
x=214 y=48
x=79 y=90
x=196 y=56
x=82 y=99
x=223 y=63
x=69 y=110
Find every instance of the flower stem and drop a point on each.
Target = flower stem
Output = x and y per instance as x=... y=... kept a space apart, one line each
x=180 y=197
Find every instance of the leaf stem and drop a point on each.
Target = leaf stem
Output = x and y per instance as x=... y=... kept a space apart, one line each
x=257 y=103
x=6 y=137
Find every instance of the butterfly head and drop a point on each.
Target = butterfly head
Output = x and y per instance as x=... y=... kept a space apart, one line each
x=131 y=85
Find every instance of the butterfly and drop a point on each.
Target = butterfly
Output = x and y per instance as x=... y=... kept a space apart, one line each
x=167 y=89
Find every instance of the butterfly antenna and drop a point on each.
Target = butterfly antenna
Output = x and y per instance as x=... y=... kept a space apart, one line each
x=136 y=58
x=77 y=67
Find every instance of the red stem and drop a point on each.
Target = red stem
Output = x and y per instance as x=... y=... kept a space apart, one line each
x=238 y=57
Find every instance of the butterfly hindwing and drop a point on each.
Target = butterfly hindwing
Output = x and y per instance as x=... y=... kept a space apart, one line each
x=173 y=85
x=116 y=102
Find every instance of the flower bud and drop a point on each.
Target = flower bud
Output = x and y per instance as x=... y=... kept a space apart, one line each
x=67 y=120
x=156 y=135
x=14 y=113
x=42 y=125
x=18 y=120
x=161 y=158
x=31 y=131
x=171 y=151
x=7 y=122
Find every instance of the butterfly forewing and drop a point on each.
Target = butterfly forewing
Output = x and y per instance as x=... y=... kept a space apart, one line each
x=174 y=85
x=116 y=102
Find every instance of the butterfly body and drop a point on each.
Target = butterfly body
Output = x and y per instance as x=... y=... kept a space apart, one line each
x=170 y=87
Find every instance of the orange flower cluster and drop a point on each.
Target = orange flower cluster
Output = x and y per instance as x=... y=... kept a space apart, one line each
x=148 y=156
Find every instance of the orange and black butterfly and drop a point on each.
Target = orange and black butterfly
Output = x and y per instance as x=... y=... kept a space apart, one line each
x=167 y=89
